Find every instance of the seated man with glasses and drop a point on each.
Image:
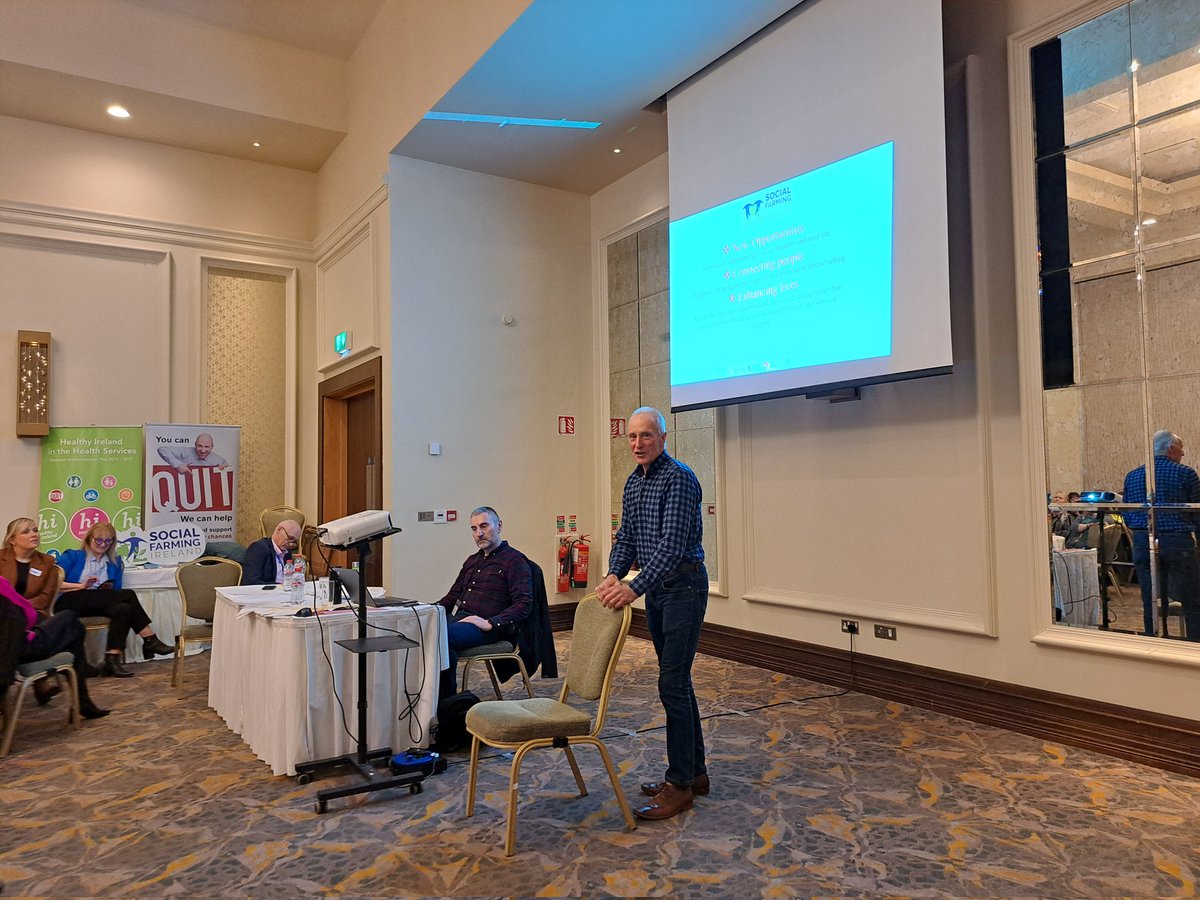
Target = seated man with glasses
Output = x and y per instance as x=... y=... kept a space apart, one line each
x=92 y=587
x=265 y=558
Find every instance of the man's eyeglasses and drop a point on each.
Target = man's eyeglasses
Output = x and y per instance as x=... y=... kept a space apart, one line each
x=102 y=542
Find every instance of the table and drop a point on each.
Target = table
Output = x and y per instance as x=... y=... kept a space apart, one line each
x=1075 y=577
x=270 y=681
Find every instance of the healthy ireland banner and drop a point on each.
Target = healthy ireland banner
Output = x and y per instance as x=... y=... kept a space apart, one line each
x=89 y=475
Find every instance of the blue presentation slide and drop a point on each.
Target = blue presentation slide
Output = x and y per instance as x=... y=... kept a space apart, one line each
x=795 y=275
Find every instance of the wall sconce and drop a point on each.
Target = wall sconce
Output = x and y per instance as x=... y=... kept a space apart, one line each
x=33 y=383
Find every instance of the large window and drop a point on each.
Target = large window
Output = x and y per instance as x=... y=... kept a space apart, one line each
x=1117 y=135
x=639 y=354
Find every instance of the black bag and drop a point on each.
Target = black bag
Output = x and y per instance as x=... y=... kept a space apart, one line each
x=451 y=732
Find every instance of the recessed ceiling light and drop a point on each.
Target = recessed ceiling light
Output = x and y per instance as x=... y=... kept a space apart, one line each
x=118 y=112
x=257 y=144
x=1149 y=221
x=616 y=149
x=501 y=121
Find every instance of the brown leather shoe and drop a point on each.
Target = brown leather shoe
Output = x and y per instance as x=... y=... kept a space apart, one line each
x=700 y=786
x=670 y=801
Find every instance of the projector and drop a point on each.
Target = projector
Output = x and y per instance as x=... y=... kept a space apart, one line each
x=367 y=525
x=1097 y=497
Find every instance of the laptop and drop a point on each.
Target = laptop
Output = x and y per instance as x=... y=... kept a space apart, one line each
x=350 y=582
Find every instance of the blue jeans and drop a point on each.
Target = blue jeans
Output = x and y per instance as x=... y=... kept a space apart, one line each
x=462 y=636
x=1178 y=577
x=674 y=614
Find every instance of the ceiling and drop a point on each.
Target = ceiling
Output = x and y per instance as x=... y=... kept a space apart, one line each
x=595 y=60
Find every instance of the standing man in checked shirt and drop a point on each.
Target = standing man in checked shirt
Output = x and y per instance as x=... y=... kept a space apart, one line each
x=661 y=529
x=1178 y=573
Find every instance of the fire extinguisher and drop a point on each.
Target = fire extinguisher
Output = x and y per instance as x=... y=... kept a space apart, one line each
x=579 y=562
x=564 y=566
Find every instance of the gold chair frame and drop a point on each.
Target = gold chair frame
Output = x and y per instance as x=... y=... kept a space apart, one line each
x=201 y=608
x=14 y=695
x=488 y=658
x=477 y=721
x=276 y=514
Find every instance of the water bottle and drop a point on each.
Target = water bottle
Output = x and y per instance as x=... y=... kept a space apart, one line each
x=298 y=571
x=289 y=569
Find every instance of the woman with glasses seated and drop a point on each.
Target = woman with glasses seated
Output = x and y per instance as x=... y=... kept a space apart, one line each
x=92 y=587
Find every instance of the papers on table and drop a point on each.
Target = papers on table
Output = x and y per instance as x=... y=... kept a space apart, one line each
x=275 y=604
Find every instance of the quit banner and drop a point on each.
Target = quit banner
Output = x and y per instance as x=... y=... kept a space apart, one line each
x=191 y=477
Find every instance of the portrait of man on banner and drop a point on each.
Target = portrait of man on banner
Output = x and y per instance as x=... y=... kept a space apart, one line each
x=191 y=477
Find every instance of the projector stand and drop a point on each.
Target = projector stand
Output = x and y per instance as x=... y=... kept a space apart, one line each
x=362 y=761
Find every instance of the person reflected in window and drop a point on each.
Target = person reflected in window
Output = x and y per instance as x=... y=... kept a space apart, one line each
x=1178 y=572
x=92 y=587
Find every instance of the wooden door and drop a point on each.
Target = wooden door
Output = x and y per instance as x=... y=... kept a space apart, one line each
x=351 y=470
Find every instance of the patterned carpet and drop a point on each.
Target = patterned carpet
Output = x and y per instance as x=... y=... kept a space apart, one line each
x=815 y=793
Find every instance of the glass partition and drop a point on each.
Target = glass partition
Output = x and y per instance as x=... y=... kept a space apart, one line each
x=1117 y=124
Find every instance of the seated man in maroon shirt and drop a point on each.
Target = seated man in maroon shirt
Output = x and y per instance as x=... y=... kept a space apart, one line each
x=493 y=592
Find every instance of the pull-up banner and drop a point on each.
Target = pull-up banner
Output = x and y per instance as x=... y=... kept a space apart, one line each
x=89 y=476
x=191 y=477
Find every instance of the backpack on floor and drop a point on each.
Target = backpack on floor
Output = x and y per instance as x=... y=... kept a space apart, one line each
x=451 y=731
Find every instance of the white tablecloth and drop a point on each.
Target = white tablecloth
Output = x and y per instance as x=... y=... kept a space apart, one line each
x=1075 y=577
x=270 y=681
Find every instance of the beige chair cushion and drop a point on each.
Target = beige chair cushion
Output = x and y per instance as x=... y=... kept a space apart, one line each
x=516 y=721
x=196 y=632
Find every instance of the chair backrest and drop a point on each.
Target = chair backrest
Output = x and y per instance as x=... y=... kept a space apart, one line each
x=1112 y=535
x=268 y=519
x=198 y=582
x=596 y=641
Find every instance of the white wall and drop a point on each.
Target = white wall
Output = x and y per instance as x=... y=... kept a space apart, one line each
x=103 y=242
x=413 y=53
x=914 y=506
x=64 y=168
x=467 y=251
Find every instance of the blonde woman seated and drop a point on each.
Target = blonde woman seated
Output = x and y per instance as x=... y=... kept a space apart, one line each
x=27 y=569
x=92 y=587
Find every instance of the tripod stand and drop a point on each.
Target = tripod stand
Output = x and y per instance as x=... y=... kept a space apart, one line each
x=364 y=760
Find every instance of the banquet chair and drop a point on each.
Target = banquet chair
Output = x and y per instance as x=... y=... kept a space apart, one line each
x=198 y=582
x=489 y=654
x=268 y=519
x=90 y=623
x=27 y=674
x=1113 y=534
x=528 y=724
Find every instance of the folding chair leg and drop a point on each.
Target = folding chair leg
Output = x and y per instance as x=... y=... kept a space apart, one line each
x=616 y=783
x=510 y=837
x=491 y=670
x=14 y=695
x=73 y=715
x=575 y=771
x=471 y=779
